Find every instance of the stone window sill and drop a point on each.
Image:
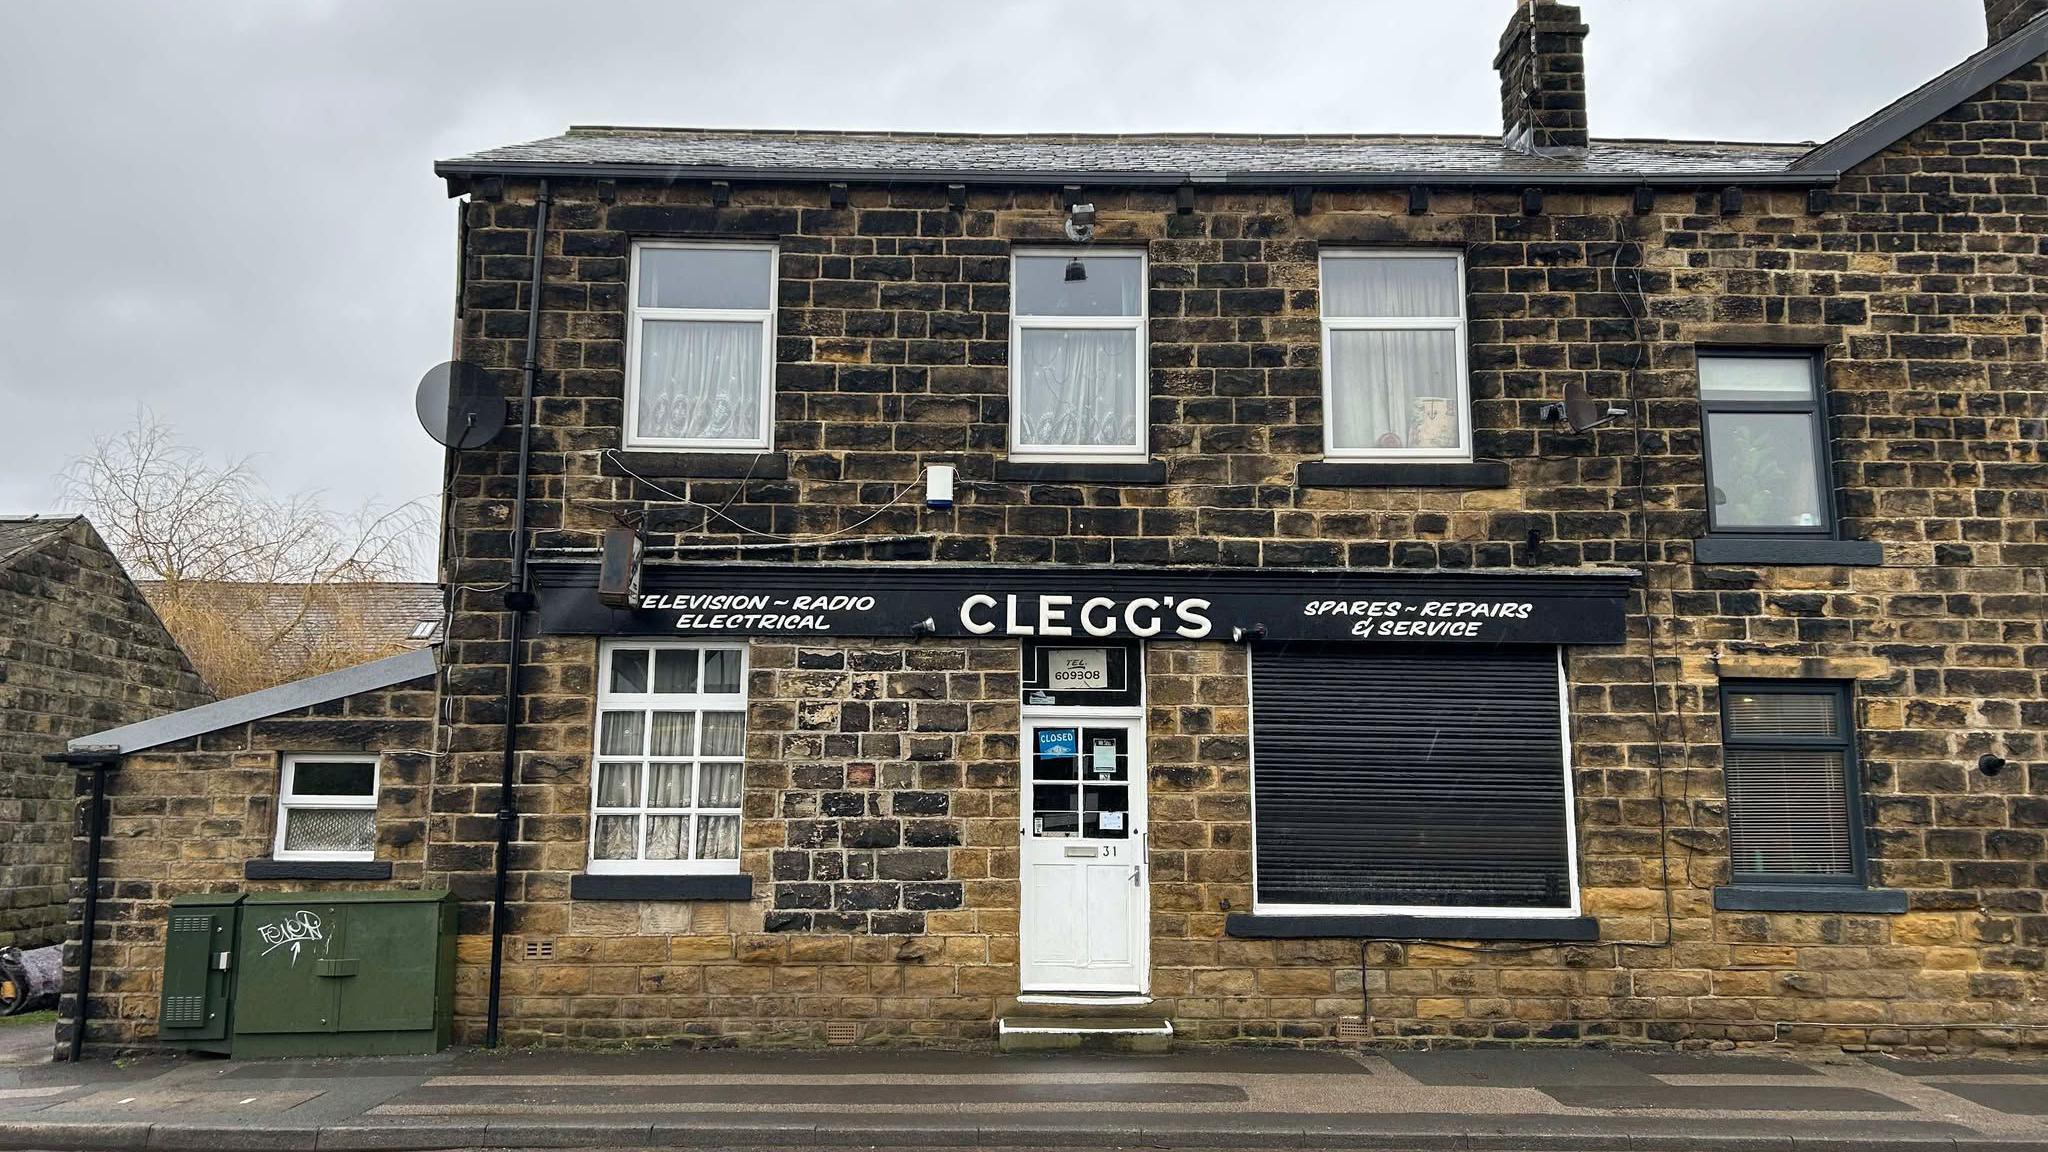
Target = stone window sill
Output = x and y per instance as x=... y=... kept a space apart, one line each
x=1025 y=472
x=1382 y=474
x=1787 y=550
x=699 y=886
x=1809 y=898
x=1568 y=929
x=267 y=869
x=655 y=464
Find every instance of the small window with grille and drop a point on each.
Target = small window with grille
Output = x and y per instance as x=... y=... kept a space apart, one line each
x=1789 y=758
x=327 y=808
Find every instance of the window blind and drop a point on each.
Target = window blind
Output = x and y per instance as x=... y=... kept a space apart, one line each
x=1787 y=764
x=1424 y=777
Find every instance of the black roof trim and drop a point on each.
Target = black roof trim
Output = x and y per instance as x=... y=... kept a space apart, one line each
x=672 y=173
x=1913 y=111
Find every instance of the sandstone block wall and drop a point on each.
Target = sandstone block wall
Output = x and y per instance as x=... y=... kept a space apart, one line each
x=80 y=652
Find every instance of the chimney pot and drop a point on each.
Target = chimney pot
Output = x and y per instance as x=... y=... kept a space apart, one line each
x=1542 y=66
x=2002 y=18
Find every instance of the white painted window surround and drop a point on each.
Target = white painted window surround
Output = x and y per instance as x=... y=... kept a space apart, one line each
x=327 y=807
x=1079 y=391
x=1396 y=386
x=666 y=778
x=700 y=346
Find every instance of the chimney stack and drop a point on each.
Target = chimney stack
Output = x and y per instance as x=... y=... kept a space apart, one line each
x=2005 y=17
x=1542 y=66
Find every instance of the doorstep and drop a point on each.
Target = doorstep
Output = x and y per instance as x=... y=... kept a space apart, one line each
x=1083 y=1033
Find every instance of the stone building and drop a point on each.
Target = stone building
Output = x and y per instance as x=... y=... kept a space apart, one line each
x=80 y=649
x=1291 y=589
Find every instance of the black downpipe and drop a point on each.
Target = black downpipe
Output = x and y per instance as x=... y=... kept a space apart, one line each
x=517 y=601
x=96 y=825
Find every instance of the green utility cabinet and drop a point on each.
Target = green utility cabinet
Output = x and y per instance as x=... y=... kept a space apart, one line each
x=199 y=953
x=333 y=974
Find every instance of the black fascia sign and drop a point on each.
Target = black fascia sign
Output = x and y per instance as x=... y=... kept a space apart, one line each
x=889 y=600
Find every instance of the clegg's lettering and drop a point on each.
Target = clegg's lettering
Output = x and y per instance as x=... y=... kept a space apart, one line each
x=1058 y=615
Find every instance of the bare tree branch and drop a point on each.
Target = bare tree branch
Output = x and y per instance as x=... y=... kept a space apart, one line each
x=174 y=516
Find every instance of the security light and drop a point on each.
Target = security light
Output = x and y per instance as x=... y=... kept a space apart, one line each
x=1076 y=270
x=1080 y=224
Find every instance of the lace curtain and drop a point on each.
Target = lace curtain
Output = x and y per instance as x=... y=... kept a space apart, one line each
x=1079 y=387
x=700 y=379
x=1393 y=388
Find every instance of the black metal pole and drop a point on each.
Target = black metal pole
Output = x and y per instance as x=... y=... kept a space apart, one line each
x=96 y=823
x=517 y=601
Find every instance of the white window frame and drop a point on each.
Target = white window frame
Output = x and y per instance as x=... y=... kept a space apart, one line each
x=288 y=800
x=1435 y=911
x=648 y=703
x=636 y=316
x=1139 y=450
x=1456 y=325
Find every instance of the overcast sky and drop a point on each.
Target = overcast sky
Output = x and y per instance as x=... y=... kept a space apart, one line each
x=227 y=211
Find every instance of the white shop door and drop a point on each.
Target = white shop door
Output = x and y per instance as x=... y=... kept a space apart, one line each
x=1086 y=889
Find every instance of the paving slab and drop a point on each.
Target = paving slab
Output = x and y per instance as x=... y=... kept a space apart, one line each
x=2013 y=1099
x=1728 y=1098
x=1520 y=1068
x=1519 y=1100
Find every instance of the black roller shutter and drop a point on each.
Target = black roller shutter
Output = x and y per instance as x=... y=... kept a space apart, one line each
x=1430 y=777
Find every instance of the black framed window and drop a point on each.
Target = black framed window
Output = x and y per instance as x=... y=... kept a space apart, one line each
x=1788 y=755
x=1766 y=444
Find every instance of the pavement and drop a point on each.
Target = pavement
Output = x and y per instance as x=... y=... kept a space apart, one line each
x=1529 y=1098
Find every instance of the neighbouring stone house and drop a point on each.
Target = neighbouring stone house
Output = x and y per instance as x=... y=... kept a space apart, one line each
x=80 y=650
x=1286 y=589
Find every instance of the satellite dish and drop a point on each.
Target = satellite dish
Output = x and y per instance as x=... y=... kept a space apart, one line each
x=1584 y=413
x=458 y=406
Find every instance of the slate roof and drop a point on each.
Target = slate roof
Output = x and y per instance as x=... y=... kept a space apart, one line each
x=20 y=535
x=374 y=615
x=235 y=710
x=675 y=153
x=1176 y=158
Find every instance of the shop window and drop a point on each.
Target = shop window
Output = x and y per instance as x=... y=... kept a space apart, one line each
x=1416 y=781
x=1395 y=385
x=1078 y=389
x=1766 y=444
x=671 y=747
x=701 y=346
x=327 y=808
x=1789 y=760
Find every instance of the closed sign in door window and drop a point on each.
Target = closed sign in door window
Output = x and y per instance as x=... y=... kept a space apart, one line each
x=1080 y=781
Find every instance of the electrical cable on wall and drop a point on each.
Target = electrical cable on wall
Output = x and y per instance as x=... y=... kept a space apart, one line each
x=778 y=537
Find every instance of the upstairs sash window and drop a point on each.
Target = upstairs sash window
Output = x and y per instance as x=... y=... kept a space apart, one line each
x=701 y=346
x=1395 y=385
x=1767 y=468
x=1077 y=357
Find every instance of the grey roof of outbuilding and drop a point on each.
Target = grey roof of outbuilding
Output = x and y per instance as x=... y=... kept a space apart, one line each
x=20 y=535
x=678 y=153
x=235 y=710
